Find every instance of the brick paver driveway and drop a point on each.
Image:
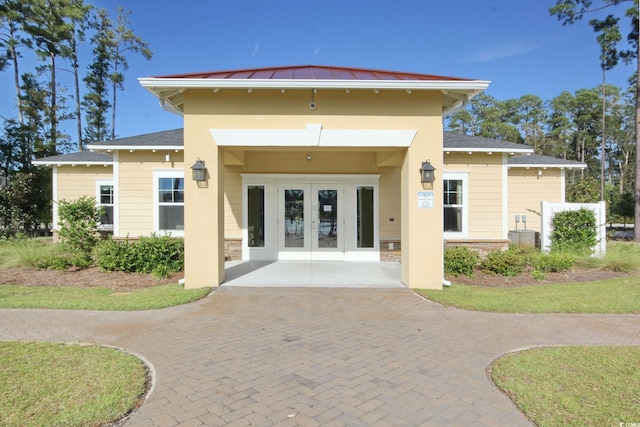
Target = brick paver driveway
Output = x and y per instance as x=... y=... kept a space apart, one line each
x=311 y=357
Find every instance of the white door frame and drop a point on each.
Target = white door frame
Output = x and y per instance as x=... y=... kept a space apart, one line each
x=273 y=218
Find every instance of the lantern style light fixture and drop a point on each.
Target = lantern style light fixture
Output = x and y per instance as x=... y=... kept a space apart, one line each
x=427 y=173
x=199 y=171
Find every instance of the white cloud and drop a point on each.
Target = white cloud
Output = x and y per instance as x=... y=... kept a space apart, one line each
x=256 y=48
x=316 y=51
x=505 y=50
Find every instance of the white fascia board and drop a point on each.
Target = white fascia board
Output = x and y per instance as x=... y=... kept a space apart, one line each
x=487 y=150
x=313 y=136
x=367 y=138
x=152 y=83
x=64 y=163
x=134 y=147
x=549 y=165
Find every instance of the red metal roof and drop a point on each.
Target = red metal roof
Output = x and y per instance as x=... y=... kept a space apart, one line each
x=311 y=72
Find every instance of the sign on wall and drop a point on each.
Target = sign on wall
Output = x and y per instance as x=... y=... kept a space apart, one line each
x=425 y=199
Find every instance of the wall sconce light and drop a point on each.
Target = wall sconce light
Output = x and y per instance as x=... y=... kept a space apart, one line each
x=199 y=171
x=427 y=173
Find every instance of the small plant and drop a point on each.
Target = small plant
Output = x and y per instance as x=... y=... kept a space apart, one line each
x=554 y=262
x=504 y=263
x=460 y=260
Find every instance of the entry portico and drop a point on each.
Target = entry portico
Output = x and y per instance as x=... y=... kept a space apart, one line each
x=312 y=163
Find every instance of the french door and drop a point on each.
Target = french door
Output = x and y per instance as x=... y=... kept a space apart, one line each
x=310 y=221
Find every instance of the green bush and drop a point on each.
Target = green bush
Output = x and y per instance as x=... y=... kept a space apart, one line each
x=574 y=232
x=504 y=263
x=460 y=260
x=78 y=229
x=160 y=255
x=553 y=262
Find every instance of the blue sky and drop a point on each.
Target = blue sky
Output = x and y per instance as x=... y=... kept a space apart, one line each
x=515 y=44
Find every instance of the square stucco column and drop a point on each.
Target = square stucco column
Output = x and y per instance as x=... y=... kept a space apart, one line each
x=422 y=251
x=203 y=209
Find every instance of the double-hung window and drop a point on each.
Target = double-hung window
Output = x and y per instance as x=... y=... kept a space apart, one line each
x=169 y=202
x=105 y=199
x=456 y=204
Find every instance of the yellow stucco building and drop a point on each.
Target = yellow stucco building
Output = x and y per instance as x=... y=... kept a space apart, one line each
x=310 y=163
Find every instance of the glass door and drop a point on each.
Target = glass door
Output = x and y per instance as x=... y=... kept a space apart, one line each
x=311 y=222
x=327 y=225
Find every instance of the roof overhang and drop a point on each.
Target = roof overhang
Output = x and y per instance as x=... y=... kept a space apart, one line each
x=170 y=90
x=448 y=150
x=44 y=162
x=550 y=165
x=96 y=147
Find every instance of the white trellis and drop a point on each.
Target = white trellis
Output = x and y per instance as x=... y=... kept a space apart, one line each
x=548 y=210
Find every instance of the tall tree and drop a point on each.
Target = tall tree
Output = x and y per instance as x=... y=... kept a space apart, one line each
x=124 y=41
x=48 y=23
x=79 y=26
x=96 y=100
x=571 y=11
x=10 y=41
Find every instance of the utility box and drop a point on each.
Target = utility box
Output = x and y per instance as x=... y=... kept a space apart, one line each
x=522 y=237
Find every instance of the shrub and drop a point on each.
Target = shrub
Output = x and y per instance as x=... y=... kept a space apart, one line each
x=553 y=262
x=460 y=260
x=574 y=232
x=504 y=263
x=78 y=229
x=160 y=255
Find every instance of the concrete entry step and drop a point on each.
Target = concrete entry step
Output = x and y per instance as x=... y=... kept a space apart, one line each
x=320 y=274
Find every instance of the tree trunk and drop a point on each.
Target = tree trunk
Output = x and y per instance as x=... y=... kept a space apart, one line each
x=77 y=83
x=602 y=143
x=636 y=222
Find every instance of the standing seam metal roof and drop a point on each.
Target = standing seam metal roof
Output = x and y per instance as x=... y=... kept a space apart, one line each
x=311 y=72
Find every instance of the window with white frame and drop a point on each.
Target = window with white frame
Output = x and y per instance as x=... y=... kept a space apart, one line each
x=105 y=199
x=169 y=198
x=455 y=202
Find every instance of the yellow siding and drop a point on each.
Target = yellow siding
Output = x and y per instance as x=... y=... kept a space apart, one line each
x=77 y=181
x=136 y=188
x=527 y=189
x=485 y=192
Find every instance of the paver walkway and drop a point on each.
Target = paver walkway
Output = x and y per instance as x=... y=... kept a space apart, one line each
x=320 y=357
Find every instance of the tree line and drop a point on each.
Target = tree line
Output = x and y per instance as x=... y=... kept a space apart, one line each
x=51 y=37
x=569 y=126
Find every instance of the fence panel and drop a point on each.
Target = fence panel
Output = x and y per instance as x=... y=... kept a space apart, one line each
x=548 y=210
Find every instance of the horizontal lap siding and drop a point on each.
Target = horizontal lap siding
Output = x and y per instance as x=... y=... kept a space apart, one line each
x=136 y=188
x=527 y=189
x=78 y=181
x=485 y=192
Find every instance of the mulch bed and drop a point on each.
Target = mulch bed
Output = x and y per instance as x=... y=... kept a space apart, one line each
x=88 y=278
x=480 y=278
x=94 y=278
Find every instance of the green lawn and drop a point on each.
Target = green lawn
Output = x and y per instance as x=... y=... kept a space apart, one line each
x=48 y=384
x=573 y=386
x=607 y=296
x=155 y=297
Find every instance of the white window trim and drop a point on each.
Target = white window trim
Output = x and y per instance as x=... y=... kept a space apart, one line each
x=157 y=174
x=464 y=177
x=99 y=183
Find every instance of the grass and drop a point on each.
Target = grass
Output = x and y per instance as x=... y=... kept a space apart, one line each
x=12 y=296
x=573 y=386
x=67 y=385
x=25 y=252
x=618 y=296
